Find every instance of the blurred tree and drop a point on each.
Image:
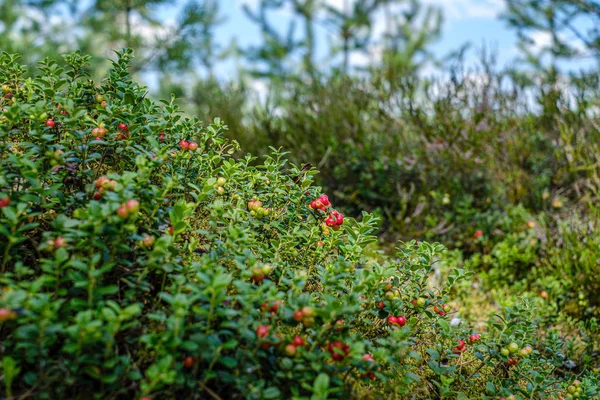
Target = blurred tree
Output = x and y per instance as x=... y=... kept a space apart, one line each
x=192 y=43
x=353 y=25
x=185 y=43
x=34 y=29
x=563 y=29
x=273 y=55
x=406 y=41
x=47 y=27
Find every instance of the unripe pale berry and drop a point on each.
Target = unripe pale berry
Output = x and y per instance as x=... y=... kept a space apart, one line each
x=147 y=241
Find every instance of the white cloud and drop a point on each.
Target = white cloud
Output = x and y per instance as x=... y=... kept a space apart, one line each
x=541 y=40
x=462 y=9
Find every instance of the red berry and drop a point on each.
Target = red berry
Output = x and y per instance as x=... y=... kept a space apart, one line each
x=474 y=338
x=188 y=362
x=171 y=230
x=123 y=127
x=392 y=320
x=161 y=137
x=102 y=182
x=146 y=398
x=308 y=311
x=368 y=357
x=262 y=331
x=320 y=244
x=335 y=354
x=184 y=144
x=298 y=341
x=60 y=242
x=132 y=206
x=50 y=123
x=99 y=132
x=275 y=306
x=122 y=212
x=330 y=222
x=290 y=350
x=381 y=305
x=478 y=234
x=192 y=146
x=6 y=314
x=5 y=202
x=401 y=320
x=298 y=316
x=97 y=196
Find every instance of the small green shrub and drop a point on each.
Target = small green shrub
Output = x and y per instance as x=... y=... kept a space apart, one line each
x=139 y=259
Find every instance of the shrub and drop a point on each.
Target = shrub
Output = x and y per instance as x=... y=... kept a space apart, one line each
x=139 y=259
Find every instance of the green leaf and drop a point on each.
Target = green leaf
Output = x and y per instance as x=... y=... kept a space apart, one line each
x=321 y=385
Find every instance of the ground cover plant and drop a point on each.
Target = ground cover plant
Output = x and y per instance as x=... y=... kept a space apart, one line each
x=141 y=260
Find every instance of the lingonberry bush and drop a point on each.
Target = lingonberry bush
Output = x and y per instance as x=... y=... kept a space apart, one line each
x=140 y=260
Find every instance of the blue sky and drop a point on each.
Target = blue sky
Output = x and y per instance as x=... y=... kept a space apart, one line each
x=474 y=21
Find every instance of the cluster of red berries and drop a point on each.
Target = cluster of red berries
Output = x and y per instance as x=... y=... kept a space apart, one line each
x=396 y=320
x=369 y=358
x=99 y=132
x=131 y=207
x=513 y=349
x=185 y=145
x=256 y=208
x=260 y=273
x=292 y=348
x=462 y=345
x=124 y=134
x=61 y=112
x=443 y=310
x=512 y=361
x=57 y=243
x=103 y=184
x=322 y=203
x=338 y=350
x=271 y=307
x=306 y=315
x=335 y=220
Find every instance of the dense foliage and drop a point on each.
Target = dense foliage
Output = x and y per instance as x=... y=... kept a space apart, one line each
x=140 y=260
